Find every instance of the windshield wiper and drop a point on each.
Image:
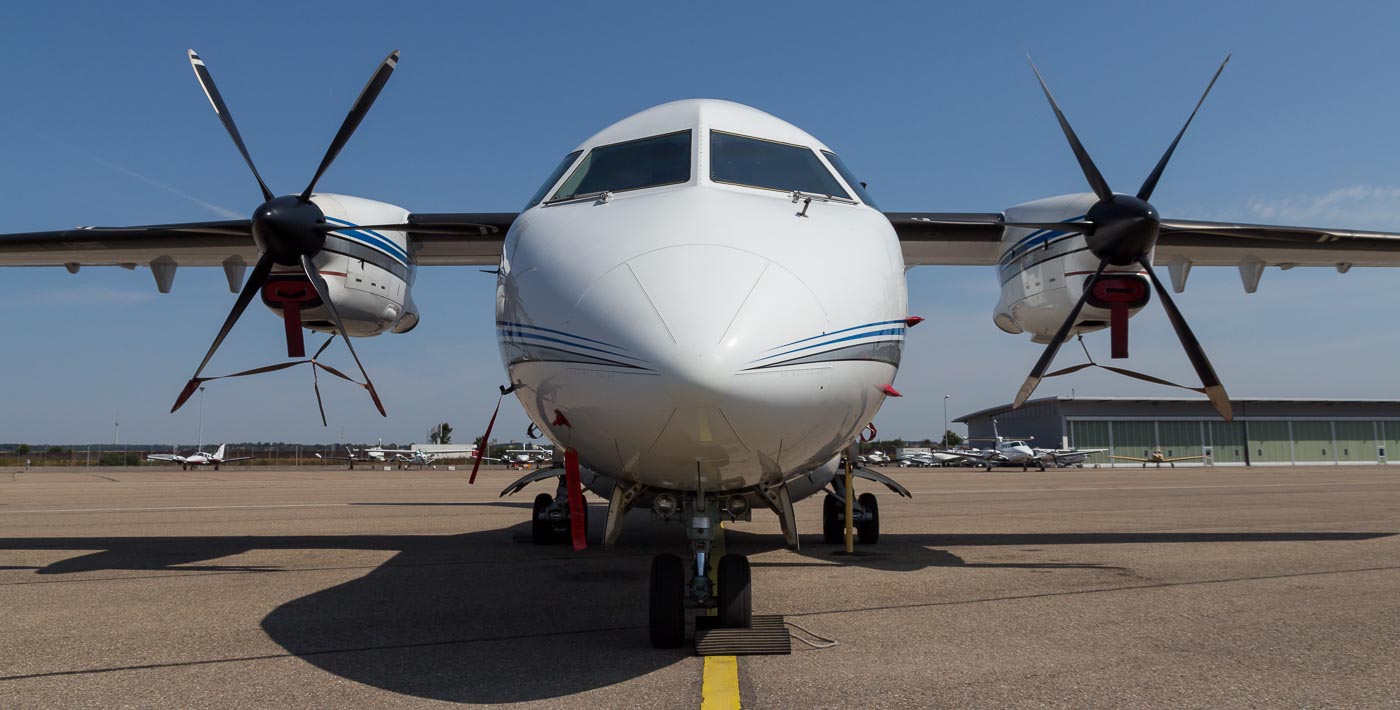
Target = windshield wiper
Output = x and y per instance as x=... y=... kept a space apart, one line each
x=600 y=195
x=806 y=199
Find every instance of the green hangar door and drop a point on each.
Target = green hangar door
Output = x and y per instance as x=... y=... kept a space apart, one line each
x=1312 y=442
x=1356 y=442
x=1269 y=443
x=1178 y=439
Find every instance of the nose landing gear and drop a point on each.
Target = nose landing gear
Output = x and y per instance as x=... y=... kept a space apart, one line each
x=730 y=594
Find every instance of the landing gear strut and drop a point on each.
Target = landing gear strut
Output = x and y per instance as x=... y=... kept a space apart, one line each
x=865 y=512
x=549 y=519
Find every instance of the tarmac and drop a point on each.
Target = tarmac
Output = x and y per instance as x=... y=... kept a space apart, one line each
x=318 y=587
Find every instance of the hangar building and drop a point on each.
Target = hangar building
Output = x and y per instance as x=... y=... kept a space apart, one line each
x=1265 y=431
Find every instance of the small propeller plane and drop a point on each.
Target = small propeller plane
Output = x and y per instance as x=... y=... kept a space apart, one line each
x=198 y=459
x=1158 y=458
x=702 y=306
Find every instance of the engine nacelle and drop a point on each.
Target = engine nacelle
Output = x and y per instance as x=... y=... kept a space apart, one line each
x=368 y=273
x=1043 y=272
x=409 y=320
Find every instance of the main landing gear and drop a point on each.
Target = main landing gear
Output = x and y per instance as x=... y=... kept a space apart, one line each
x=671 y=597
x=549 y=520
x=865 y=512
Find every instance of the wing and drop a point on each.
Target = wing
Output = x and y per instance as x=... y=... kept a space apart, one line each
x=948 y=238
x=1183 y=458
x=237 y=458
x=164 y=457
x=974 y=238
x=1130 y=458
x=1235 y=243
x=460 y=238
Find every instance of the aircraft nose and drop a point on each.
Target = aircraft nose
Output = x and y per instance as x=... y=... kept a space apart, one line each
x=701 y=318
x=700 y=315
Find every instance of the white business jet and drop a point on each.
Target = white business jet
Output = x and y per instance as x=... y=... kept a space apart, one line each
x=702 y=306
x=198 y=459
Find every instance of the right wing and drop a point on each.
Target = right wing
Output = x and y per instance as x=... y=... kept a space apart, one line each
x=165 y=457
x=1130 y=458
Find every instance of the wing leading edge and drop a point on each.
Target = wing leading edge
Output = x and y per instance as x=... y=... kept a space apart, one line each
x=974 y=239
x=463 y=238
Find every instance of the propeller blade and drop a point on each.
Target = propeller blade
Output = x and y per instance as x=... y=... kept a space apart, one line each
x=1091 y=172
x=1150 y=184
x=1209 y=381
x=1076 y=227
x=324 y=292
x=316 y=385
x=469 y=228
x=352 y=120
x=206 y=81
x=250 y=289
x=316 y=380
x=1053 y=347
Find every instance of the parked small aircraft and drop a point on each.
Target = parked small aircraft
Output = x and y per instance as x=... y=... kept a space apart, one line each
x=198 y=458
x=1158 y=458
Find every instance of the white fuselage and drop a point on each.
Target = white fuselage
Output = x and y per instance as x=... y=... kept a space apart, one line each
x=696 y=335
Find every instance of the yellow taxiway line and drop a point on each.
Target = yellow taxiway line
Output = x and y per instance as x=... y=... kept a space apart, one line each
x=720 y=689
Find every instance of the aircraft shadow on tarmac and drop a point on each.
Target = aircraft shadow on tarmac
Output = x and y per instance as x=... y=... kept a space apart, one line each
x=488 y=617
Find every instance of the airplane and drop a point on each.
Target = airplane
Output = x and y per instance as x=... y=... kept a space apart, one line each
x=877 y=458
x=702 y=306
x=932 y=458
x=1067 y=457
x=198 y=458
x=420 y=458
x=519 y=458
x=376 y=454
x=1158 y=458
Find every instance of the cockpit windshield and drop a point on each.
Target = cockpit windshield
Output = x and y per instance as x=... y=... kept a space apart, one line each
x=554 y=176
x=770 y=165
x=633 y=165
x=849 y=177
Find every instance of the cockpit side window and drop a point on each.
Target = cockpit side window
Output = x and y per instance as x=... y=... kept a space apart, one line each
x=633 y=165
x=553 y=178
x=771 y=165
x=849 y=177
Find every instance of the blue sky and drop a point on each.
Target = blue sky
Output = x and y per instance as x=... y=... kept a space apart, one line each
x=933 y=103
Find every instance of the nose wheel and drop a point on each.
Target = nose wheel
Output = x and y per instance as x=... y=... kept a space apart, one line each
x=667 y=602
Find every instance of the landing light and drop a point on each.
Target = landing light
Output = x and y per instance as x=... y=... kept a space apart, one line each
x=736 y=506
x=664 y=505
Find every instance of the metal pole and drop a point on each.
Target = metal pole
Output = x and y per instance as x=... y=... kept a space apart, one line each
x=850 y=507
x=945 y=420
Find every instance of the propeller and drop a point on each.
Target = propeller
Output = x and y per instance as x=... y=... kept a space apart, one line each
x=290 y=231
x=1121 y=230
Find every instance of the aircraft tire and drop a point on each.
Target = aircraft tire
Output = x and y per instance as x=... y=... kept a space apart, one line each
x=735 y=592
x=831 y=520
x=541 y=531
x=666 y=613
x=869 y=531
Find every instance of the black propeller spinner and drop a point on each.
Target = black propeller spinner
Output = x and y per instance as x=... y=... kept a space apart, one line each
x=289 y=230
x=1121 y=230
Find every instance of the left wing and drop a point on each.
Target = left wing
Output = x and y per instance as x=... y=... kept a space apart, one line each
x=467 y=239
